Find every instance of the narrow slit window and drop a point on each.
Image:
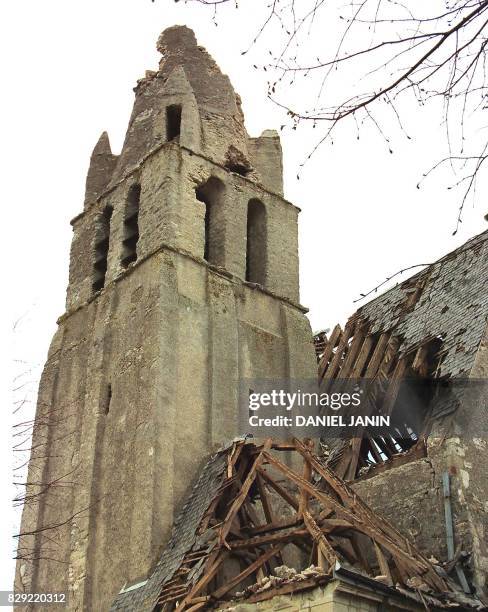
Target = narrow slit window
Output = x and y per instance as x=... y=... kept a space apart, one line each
x=107 y=399
x=256 y=246
x=101 y=249
x=173 y=121
x=211 y=194
x=131 y=226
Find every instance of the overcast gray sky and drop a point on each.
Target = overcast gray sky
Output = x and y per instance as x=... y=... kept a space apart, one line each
x=69 y=69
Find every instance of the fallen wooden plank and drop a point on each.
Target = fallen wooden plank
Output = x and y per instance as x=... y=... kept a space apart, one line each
x=383 y=564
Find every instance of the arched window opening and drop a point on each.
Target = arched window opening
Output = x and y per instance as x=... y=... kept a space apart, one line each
x=131 y=226
x=101 y=249
x=256 y=247
x=173 y=121
x=211 y=194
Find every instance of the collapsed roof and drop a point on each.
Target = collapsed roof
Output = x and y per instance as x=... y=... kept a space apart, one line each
x=447 y=300
x=250 y=512
x=429 y=326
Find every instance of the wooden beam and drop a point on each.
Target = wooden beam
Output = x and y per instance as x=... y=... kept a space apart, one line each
x=383 y=564
x=419 y=363
x=286 y=523
x=307 y=475
x=333 y=524
x=323 y=497
x=213 y=564
x=344 y=459
x=334 y=365
x=232 y=458
x=394 y=387
x=198 y=606
x=270 y=538
x=368 y=523
x=324 y=360
x=220 y=592
x=389 y=357
x=377 y=356
x=283 y=446
x=354 y=350
x=279 y=489
x=268 y=513
x=348 y=496
x=362 y=357
x=323 y=545
x=354 y=454
x=239 y=500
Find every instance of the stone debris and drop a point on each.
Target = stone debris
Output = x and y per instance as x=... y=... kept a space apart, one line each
x=282 y=571
x=282 y=575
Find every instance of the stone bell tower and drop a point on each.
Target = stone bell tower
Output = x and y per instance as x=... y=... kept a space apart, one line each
x=183 y=281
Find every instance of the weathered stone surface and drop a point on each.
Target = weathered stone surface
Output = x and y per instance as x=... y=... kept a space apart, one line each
x=212 y=119
x=266 y=156
x=102 y=165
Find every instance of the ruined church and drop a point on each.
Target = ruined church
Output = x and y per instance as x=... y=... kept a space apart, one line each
x=183 y=282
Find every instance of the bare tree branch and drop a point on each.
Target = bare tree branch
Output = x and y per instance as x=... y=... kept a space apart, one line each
x=384 y=50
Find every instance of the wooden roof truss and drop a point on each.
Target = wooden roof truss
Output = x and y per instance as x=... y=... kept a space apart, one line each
x=266 y=508
x=353 y=353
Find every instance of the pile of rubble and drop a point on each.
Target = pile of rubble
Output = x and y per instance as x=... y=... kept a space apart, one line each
x=281 y=575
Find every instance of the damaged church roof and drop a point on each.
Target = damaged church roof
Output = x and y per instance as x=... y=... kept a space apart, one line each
x=448 y=301
x=249 y=505
x=428 y=327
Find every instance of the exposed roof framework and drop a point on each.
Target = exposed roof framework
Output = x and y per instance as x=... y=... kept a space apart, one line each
x=250 y=510
x=256 y=506
x=375 y=359
x=428 y=327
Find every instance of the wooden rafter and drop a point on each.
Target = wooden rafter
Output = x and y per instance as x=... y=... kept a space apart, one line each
x=356 y=353
x=330 y=524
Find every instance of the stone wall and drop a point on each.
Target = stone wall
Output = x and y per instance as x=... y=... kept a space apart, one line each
x=411 y=497
x=335 y=597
